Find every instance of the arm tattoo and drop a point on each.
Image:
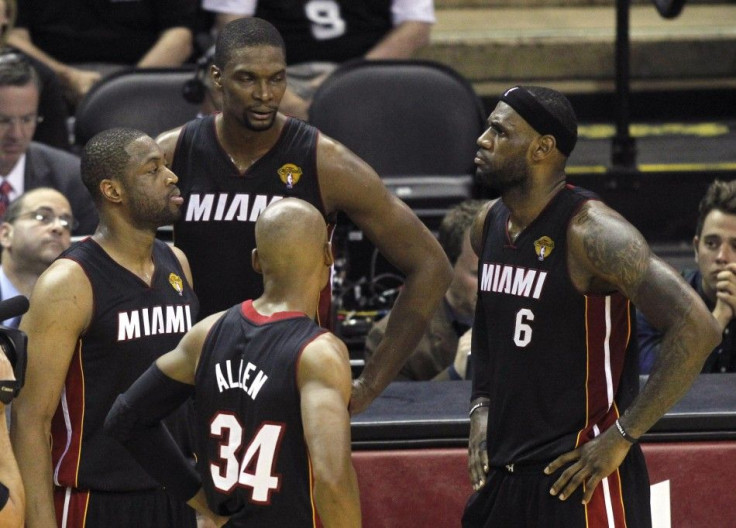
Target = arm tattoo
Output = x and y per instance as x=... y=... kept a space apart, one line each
x=614 y=248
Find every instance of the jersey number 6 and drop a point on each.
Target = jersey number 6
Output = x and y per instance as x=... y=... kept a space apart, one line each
x=522 y=330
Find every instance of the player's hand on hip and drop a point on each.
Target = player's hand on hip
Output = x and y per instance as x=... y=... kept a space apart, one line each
x=478 y=448
x=361 y=397
x=591 y=463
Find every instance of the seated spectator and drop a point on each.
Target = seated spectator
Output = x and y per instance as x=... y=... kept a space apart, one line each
x=443 y=350
x=714 y=279
x=321 y=35
x=35 y=229
x=83 y=40
x=25 y=164
x=52 y=129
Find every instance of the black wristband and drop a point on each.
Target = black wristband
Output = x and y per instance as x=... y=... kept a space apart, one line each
x=478 y=406
x=626 y=435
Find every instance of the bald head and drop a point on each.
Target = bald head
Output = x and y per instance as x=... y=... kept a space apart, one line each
x=291 y=236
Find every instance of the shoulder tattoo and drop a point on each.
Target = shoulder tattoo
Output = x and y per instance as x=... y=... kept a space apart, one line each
x=613 y=247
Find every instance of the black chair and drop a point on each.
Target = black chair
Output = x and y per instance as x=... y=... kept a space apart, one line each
x=415 y=122
x=150 y=100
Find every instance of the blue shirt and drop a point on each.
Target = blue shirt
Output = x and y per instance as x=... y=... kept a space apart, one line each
x=8 y=291
x=723 y=357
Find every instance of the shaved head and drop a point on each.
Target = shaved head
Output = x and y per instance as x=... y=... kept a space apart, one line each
x=291 y=235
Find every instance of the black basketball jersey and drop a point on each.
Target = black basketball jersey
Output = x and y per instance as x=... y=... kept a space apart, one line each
x=557 y=365
x=250 y=439
x=132 y=325
x=217 y=228
x=329 y=30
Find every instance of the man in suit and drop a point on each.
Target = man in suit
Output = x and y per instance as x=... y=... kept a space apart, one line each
x=25 y=165
x=36 y=228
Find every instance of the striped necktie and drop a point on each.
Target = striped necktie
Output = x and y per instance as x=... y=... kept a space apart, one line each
x=5 y=190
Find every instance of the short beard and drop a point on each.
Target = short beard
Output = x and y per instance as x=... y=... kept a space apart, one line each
x=263 y=128
x=146 y=217
x=509 y=176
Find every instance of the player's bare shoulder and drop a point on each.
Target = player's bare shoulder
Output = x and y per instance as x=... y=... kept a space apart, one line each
x=63 y=288
x=605 y=245
x=64 y=278
x=167 y=141
x=329 y=346
x=333 y=156
x=326 y=359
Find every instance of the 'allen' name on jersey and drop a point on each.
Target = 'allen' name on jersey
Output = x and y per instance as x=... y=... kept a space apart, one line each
x=144 y=322
x=512 y=280
x=225 y=207
x=241 y=378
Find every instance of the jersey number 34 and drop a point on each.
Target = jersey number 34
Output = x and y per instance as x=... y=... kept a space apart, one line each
x=255 y=469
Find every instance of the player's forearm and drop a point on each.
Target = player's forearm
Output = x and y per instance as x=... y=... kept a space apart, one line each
x=419 y=298
x=34 y=463
x=685 y=346
x=405 y=328
x=338 y=503
x=173 y=47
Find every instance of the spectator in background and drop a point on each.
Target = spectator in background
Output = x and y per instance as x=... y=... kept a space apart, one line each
x=52 y=127
x=25 y=164
x=443 y=350
x=321 y=35
x=83 y=40
x=35 y=230
x=714 y=279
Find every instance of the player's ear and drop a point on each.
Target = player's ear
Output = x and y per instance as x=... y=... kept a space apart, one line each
x=329 y=258
x=545 y=145
x=110 y=190
x=216 y=76
x=6 y=233
x=255 y=261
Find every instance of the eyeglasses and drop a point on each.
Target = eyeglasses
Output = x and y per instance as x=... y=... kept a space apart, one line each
x=12 y=58
x=26 y=121
x=46 y=216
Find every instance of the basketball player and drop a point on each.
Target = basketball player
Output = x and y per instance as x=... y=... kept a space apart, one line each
x=99 y=316
x=233 y=164
x=271 y=390
x=555 y=415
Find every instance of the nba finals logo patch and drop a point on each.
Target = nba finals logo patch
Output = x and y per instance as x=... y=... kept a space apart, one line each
x=176 y=283
x=290 y=174
x=543 y=247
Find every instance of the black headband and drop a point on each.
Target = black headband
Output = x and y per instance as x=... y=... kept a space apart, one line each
x=540 y=119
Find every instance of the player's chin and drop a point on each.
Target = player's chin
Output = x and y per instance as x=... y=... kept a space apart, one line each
x=171 y=214
x=262 y=123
